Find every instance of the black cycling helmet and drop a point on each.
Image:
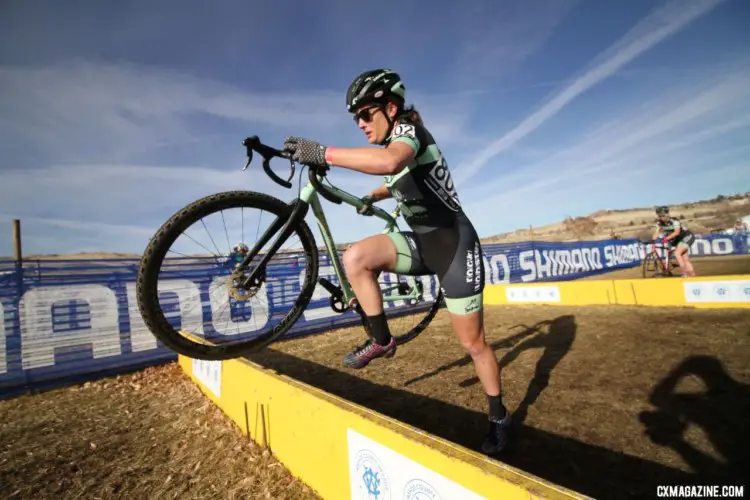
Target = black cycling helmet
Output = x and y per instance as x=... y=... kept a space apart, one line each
x=662 y=210
x=375 y=86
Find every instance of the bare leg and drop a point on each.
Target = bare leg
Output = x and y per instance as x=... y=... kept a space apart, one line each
x=361 y=261
x=684 y=260
x=470 y=332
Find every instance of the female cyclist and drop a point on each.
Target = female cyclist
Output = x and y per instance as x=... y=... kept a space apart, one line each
x=442 y=239
x=676 y=234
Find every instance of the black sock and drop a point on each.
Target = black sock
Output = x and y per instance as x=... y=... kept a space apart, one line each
x=379 y=329
x=497 y=410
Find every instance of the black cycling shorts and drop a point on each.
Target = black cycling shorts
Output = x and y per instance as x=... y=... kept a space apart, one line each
x=453 y=254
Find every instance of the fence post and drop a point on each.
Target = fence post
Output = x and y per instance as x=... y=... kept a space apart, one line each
x=17 y=241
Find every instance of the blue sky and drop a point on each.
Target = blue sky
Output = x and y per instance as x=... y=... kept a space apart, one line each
x=113 y=115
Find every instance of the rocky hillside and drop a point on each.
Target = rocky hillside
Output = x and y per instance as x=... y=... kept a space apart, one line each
x=700 y=216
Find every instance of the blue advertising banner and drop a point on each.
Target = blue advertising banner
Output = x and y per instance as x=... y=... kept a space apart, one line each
x=63 y=321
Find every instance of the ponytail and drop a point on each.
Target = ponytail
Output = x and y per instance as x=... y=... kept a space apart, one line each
x=410 y=114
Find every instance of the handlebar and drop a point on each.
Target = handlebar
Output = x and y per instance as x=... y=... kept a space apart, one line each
x=655 y=244
x=267 y=152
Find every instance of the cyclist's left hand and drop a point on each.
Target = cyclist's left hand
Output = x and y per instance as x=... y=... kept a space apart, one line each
x=367 y=207
x=306 y=151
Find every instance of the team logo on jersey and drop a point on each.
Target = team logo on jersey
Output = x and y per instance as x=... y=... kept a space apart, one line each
x=440 y=182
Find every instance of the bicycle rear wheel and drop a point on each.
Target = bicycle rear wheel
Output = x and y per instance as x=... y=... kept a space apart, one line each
x=406 y=318
x=210 y=341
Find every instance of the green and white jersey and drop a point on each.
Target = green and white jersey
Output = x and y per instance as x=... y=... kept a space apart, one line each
x=670 y=225
x=424 y=189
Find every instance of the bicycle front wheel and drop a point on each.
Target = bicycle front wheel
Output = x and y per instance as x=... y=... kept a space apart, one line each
x=206 y=314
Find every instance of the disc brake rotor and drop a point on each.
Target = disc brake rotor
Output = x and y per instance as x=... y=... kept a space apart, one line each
x=244 y=293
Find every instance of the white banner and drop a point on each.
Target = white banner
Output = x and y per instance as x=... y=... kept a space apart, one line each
x=717 y=291
x=535 y=294
x=377 y=472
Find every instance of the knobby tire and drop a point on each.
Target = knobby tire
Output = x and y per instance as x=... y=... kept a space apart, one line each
x=148 y=275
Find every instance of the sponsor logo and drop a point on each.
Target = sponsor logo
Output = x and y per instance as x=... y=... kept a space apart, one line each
x=372 y=481
x=474 y=267
x=416 y=489
x=472 y=306
x=478 y=268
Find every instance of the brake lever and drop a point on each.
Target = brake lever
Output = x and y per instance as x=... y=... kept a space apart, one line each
x=291 y=168
x=249 y=143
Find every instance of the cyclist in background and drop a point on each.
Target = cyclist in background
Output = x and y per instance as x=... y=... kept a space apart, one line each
x=236 y=256
x=672 y=232
x=442 y=239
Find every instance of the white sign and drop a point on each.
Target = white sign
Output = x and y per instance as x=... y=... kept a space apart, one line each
x=717 y=291
x=376 y=472
x=209 y=373
x=533 y=294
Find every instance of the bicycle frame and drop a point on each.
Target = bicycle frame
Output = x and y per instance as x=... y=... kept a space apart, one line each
x=662 y=262
x=310 y=198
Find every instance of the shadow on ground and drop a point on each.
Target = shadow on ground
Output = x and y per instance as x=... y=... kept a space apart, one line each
x=554 y=344
x=721 y=411
x=588 y=469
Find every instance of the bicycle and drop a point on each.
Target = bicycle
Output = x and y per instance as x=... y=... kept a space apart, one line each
x=654 y=263
x=246 y=282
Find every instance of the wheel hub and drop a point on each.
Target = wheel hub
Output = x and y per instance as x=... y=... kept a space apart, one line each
x=248 y=291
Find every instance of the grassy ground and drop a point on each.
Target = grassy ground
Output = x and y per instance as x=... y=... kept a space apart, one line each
x=148 y=435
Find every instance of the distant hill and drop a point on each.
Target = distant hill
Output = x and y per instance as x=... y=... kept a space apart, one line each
x=701 y=216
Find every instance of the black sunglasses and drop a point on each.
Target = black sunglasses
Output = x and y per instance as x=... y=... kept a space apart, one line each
x=365 y=114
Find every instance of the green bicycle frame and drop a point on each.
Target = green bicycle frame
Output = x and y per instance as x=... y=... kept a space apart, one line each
x=309 y=197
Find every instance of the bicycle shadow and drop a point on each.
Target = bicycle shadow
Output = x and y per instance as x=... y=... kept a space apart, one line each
x=722 y=411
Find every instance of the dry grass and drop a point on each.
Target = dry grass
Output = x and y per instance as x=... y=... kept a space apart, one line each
x=583 y=383
x=148 y=435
